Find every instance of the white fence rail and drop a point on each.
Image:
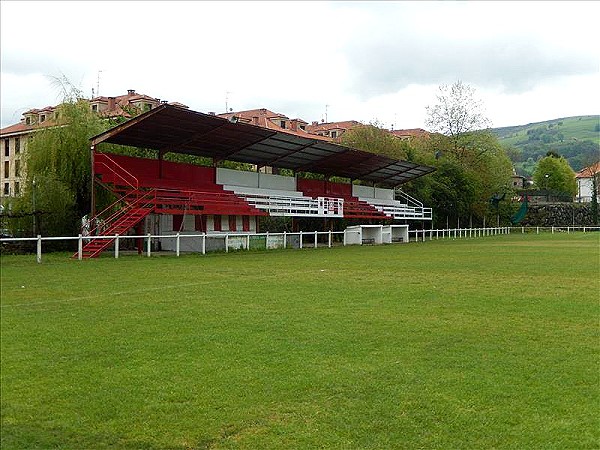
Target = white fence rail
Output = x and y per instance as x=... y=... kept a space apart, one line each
x=315 y=239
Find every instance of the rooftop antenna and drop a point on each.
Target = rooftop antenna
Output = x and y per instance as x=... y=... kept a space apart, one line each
x=326 y=107
x=227 y=101
x=98 y=84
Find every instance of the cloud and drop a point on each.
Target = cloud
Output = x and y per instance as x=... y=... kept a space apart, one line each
x=441 y=43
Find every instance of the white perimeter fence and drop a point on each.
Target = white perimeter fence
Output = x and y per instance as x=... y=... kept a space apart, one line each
x=225 y=242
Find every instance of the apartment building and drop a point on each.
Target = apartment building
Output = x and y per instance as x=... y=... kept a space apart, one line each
x=14 y=138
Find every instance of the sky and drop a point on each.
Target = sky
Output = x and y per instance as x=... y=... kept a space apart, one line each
x=368 y=61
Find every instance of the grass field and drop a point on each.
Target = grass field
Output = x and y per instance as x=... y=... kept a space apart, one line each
x=579 y=127
x=482 y=343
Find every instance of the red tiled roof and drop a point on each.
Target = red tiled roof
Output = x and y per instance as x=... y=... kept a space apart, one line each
x=411 y=132
x=250 y=113
x=16 y=128
x=263 y=117
x=327 y=126
x=588 y=172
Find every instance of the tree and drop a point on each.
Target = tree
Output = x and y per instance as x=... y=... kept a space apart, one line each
x=58 y=185
x=373 y=138
x=462 y=186
x=554 y=173
x=456 y=114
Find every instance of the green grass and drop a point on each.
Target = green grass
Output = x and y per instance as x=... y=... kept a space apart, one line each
x=482 y=343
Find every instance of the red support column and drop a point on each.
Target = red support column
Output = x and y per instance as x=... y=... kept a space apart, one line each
x=93 y=182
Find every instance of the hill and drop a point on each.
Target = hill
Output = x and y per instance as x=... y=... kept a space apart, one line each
x=576 y=138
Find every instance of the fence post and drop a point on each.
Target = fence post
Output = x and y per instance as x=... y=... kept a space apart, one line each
x=552 y=229
x=39 y=249
x=80 y=248
x=345 y=238
x=116 y=246
x=227 y=243
x=247 y=242
x=300 y=238
x=177 y=244
x=284 y=239
x=315 y=239
x=149 y=249
x=329 y=239
x=204 y=244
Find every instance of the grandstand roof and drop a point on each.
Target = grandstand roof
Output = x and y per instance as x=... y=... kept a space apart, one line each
x=170 y=128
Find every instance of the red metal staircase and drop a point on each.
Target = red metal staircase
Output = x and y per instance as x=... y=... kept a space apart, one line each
x=118 y=223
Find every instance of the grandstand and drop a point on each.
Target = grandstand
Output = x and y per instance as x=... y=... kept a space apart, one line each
x=164 y=196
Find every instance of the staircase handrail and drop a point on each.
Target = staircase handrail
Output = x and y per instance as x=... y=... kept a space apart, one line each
x=136 y=184
x=128 y=207
x=410 y=199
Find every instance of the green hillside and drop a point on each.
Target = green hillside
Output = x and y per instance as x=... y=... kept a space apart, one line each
x=576 y=138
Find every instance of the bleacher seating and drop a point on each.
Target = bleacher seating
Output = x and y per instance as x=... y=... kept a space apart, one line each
x=354 y=208
x=287 y=203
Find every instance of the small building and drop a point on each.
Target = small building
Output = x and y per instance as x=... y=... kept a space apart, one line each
x=585 y=183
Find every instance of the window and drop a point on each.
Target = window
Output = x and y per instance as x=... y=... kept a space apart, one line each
x=42 y=118
x=28 y=120
x=232 y=223
x=177 y=222
x=6 y=148
x=200 y=223
x=246 y=223
x=334 y=134
x=303 y=127
x=95 y=108
x=6 y=189
x=147 y=106
x=282 y=124
x=6 y=169
x=17 y=188
x=17 y=145
x=17 y=167
x=217 y=222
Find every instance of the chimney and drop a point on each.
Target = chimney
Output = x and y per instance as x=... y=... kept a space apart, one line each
x=111 y=103
x=130 y=91
x=315 y=122
x=254 y=120
x=294 y=124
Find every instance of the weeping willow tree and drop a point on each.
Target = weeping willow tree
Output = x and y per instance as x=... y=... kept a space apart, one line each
x=58 y=160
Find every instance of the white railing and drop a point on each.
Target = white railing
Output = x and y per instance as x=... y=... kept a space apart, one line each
x=458 y=233
x=293 y=205
x=398 y=210
x=313 y=239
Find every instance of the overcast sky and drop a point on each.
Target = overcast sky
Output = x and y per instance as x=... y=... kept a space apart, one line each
x=367 y=61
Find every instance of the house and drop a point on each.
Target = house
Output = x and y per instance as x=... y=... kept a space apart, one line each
x=265 y=118
x=14 y=138
x=585 y=183
x=410 y=133
x=332 y=130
